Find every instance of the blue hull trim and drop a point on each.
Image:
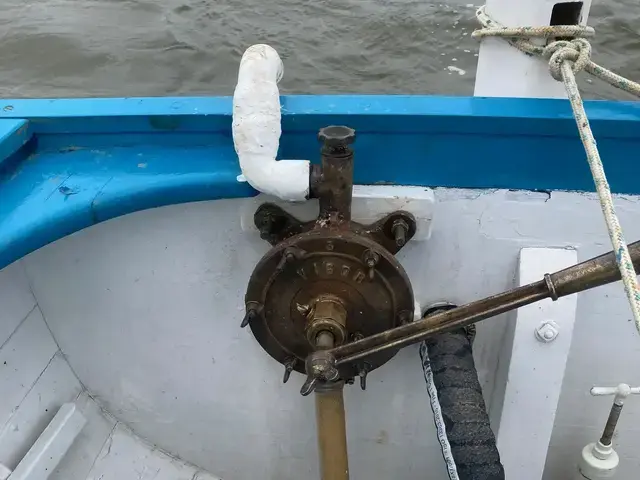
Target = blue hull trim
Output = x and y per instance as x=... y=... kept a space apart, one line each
x=68 y=164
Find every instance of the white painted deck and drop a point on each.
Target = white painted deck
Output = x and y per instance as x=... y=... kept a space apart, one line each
x=145 y=314
x=36 y=380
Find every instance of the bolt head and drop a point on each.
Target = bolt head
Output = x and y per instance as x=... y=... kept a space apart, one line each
x=370 y=258
x=337 y=136
x=547 y=332
x=322 y=365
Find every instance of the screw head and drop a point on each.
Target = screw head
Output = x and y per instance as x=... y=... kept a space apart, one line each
x=337 y=135
x=547 y=332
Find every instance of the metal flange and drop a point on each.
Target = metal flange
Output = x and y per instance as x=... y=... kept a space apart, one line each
x=360 y=287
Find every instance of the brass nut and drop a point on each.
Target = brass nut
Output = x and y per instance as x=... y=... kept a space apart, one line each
x=327 y=314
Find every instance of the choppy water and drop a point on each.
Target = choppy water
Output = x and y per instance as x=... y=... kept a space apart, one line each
x=163 y=47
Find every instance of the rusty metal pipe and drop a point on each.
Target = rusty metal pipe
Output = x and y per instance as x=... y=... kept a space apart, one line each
x=586 y=275
x=332 y=432
x=331 y=423
x=335 y=189
x=415 y=332
x=593 y=273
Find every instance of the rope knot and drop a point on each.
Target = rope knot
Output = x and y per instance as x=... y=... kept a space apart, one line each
x=576 y=52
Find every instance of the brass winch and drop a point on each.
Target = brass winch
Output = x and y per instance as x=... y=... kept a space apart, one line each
x=330 y=281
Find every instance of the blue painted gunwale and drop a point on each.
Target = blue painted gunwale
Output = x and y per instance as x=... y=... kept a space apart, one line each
x=68 y=164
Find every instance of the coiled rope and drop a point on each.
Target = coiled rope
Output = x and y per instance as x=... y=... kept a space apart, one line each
x=566 y=59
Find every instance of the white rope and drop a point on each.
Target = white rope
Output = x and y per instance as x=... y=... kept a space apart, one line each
x=438 y=418
x=566 y=58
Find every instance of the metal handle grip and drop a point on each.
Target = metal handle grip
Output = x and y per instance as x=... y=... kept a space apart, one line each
x=583 y=276
x=592 y=273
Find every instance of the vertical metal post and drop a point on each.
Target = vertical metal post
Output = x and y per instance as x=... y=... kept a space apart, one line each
x=612 y=422
x=331 y=423
x=336 y=188
x=332 y=432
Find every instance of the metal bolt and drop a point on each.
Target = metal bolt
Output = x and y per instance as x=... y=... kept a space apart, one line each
x=251 y=315
x=547 y=332
x=303 y=309
x=320 y=366
x=400 y=229
x=289 y=256
x=309 y=385
x=253 y=311
x=363 y=372
x=371 y=259
x=289 y=365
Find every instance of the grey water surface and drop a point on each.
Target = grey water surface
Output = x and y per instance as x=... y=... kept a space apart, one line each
x=69 y=48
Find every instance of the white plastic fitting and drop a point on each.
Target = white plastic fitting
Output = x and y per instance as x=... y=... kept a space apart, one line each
x=621 y=392
x=598 y=460
x=256 y=128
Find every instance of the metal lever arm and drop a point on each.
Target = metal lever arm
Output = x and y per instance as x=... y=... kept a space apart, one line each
x=583 y=276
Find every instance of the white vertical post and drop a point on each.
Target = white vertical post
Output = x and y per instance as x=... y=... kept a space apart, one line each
x=535 y=351
x=504 y=71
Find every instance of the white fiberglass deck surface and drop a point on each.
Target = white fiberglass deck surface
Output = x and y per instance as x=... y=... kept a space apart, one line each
x=146 y=310
x=36 y=380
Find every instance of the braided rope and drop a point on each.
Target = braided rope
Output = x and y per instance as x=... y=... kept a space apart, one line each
x=566 y=59
x=438 y=417
x=578 y=50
